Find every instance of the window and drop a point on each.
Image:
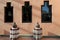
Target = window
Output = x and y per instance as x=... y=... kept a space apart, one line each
x=26 y=13
x=46 y=12
x=8 y=17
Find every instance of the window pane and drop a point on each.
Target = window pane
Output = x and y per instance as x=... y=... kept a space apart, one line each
x=46 y=12
x=26 y=13
x=8 y=13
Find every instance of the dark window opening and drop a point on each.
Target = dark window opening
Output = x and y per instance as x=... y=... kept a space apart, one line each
x=8 y=16
x=46 y=12
x=27 y=13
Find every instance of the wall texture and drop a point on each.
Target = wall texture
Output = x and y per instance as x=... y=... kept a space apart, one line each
x=27 y=28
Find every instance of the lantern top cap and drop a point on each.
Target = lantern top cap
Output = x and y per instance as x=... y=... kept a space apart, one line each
x=37 y=25
x=14 y=25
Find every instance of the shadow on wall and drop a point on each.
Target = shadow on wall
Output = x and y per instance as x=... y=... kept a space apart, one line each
x=6 y=32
